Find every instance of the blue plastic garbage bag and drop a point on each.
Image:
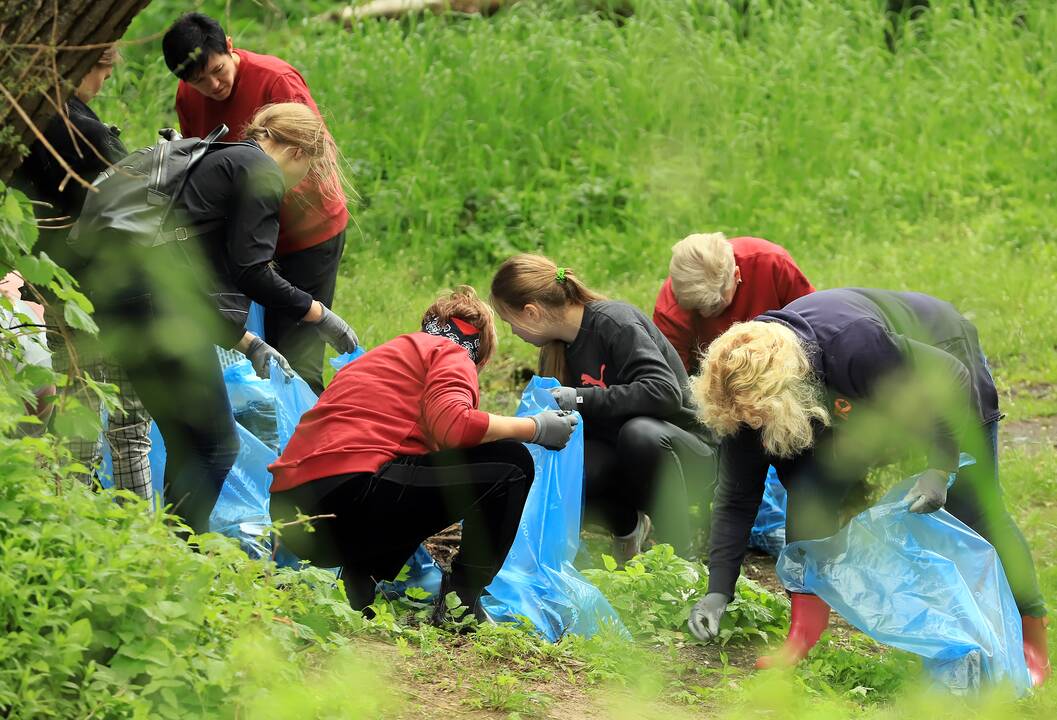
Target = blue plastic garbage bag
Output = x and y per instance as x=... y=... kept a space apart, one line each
x=253 y=402
x=293 y=397
x=345 y=358
x=538 y=580
x=245 y=495
x=925 y=583
x=768 y=531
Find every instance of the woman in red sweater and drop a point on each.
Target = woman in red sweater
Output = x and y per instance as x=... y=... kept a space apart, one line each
x=714 y=282
x=397 y=449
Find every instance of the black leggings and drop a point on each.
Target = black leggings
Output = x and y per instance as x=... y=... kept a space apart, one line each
x=816 y=492
x=382 y=517
x=314 y=270
x=653 y=466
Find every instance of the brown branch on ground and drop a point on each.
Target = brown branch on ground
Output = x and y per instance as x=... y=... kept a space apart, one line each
x=393 y=9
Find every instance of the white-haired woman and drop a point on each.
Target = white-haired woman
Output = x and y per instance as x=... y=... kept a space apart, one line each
x=829 y=386
x=714 y=282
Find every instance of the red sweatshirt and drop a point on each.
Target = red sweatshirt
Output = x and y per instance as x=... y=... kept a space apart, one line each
x=770 y=280
x=306 y=218
x=413 y=395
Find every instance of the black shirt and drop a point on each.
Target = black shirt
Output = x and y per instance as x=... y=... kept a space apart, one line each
x=624 y=367
x=243 y=187
x=855 y=339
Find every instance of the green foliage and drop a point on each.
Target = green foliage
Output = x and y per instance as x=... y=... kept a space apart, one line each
x=504 y=693
x=654 y=592
x=109 y=613
x=860 y=671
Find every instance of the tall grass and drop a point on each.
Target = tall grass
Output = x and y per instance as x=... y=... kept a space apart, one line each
x=602 y=144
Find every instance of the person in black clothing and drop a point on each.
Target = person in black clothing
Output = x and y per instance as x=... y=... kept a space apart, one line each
x=824 y=389
x=644 y=450
x=87 y=146
x=155 y=318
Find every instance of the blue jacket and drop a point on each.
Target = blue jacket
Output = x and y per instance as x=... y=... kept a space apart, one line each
x=856 y=340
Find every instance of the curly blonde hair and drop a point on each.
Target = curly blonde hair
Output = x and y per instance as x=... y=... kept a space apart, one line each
x=758 y=374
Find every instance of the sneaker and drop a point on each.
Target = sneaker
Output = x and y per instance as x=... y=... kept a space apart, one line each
x=628 y=546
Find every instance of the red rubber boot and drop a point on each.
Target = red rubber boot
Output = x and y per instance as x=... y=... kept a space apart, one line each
x=810 y=617
x=1035 y=653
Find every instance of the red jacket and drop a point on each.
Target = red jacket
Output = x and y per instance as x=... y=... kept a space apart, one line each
x=770 y=280
x=306 y=218
x=413 y=395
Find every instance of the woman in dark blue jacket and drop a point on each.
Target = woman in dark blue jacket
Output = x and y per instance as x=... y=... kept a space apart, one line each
x=824 y=389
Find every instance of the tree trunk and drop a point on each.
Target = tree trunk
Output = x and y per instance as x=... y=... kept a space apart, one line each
x=46 y=47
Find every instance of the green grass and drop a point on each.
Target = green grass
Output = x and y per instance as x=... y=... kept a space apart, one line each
x=601 y=144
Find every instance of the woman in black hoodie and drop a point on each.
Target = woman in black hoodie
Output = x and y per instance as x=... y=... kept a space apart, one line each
x=644 y=450
x=827 y=387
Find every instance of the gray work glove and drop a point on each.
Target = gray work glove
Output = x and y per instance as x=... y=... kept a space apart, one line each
x=261 y=354
x=565 y=397
x=554 y=428
x=336 y=332
x=706 y=614
x=929 y=493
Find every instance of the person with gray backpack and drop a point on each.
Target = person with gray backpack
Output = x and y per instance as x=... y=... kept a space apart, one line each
x=176 y=241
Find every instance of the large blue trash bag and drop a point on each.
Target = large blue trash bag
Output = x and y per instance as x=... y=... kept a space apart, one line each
x=242 y=510
x=538 y=580
x=925 y=583
x=768 y=531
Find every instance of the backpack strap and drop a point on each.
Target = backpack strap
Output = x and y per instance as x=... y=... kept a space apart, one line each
x=181 y=233
x=218 y=132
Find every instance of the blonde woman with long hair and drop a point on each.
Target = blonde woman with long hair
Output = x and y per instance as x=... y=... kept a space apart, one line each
x=644 y=451
x=833 y=384
x=162 y=308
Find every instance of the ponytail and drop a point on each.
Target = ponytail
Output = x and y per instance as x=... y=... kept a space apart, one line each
x=535 y=279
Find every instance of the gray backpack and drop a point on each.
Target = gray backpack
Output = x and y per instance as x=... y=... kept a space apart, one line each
x=134 y=197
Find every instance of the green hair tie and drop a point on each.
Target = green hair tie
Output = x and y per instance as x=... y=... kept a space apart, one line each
x=560 y=276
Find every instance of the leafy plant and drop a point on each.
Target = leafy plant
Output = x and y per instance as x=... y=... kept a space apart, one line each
x=654 y=592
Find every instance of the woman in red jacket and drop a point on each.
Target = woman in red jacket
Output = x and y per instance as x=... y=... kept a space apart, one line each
x=396 y=450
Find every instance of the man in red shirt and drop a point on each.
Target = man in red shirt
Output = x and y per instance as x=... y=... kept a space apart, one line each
x=714 y=282
x=221 y=84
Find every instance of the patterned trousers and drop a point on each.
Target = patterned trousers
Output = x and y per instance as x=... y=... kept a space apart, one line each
x=128 y=428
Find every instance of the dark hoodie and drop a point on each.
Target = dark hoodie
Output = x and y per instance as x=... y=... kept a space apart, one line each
x=624 y=367
x=855 y=338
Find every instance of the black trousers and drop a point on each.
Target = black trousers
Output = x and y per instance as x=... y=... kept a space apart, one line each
x=178 y=379
x=382 y=517
x=653 y=466
x=816 y=490
x=314 y=270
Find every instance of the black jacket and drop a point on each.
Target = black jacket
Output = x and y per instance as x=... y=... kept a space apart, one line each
x=242 y=187
x=624 y=367
x=89 y=149
x=855 y=339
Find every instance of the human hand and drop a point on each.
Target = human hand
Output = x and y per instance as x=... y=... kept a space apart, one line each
x=706 y=614
x=554 y=428
x=566 y=397
x=929 y=493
